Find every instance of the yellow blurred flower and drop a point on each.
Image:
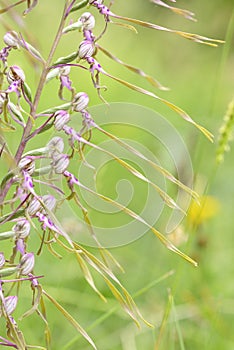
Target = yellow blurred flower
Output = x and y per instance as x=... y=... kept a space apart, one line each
x=207 y=208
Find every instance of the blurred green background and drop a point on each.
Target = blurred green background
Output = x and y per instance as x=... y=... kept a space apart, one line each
x=201 y=81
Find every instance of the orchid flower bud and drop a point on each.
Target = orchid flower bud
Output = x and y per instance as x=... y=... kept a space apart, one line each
x=10 y=303
x=15 y=73
x=11 y=39
x=60 y=163
x=34 y=207
x=65 y=70
x=61 y=119
x=2 y=259
x=53 y=73
x=22 y=228
x=97 y=2
x=49 y=201
x=27 y=164
x=86 y=49
x=80 y=101
x=27 y=263
x=87 y=20
x=62 y=73
x=55 y=145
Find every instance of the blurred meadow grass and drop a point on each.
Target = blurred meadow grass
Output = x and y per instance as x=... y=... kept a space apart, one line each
x=191 y=308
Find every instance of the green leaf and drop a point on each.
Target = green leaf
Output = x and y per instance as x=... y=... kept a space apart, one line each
x=46 y=127
x=15 y=110
x=33 y=52
x=6 y=126
x=8 y=271
x=36 y=152
x=53 y=73
x=66 y=59
x=80 y=5
x=52 y=110
x=72 y=27
x=7 y=177
x=6 y=235
x=42 y=171
x=12 y=215
x=27 y=91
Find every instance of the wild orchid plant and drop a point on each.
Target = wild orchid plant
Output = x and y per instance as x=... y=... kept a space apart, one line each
x=22 y=206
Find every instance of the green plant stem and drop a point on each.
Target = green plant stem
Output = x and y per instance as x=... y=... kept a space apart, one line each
x=177 y=325
x=11 y=6
x=164 y=321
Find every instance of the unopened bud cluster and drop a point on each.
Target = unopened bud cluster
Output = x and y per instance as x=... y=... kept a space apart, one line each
x=80 y=102
x=8 y=305
x=11 y=39
x=61 y=118
x=27 y=164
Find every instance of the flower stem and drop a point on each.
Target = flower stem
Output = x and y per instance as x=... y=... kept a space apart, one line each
x=29 y=125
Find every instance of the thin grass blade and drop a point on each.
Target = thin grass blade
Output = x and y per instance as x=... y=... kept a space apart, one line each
x=135 y=216
x=70 y=319
x=190 y=36
x=138 y=71
x=176 y=109
x=185 y=13
x=157 y=167
x=166 y=198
